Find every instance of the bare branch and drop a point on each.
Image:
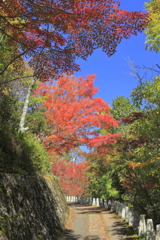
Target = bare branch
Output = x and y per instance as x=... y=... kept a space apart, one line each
x=141 y=73
x=149 y=68
x=134 y=73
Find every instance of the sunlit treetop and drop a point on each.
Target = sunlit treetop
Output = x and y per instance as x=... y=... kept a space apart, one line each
x=73 y=114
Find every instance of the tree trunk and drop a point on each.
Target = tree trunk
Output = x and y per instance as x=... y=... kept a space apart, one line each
x=25 y=107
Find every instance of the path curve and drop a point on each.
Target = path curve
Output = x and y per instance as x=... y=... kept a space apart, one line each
x=93 y=223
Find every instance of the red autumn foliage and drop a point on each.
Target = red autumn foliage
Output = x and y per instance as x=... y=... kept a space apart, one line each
x=151 y=184
x=72 y=176
x=133 y=117
x=52 y=34
x=130 y=183
x=73 y=114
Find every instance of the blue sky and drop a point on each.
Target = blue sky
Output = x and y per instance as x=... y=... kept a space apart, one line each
x=112 y=73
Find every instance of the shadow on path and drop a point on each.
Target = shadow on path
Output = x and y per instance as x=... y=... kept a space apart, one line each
x=102 y=219
x=90 y=210
x=70 y=235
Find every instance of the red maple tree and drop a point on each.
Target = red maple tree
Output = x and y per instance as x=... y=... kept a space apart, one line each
x=72 y=176
x=52 y=34
x=74 y=115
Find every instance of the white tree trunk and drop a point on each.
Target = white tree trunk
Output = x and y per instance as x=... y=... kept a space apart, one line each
x=25 y=107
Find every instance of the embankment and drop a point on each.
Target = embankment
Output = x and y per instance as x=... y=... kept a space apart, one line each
x=31 y=207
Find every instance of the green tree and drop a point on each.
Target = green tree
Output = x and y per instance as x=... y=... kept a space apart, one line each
x=153 y=29
x=141 y=150
x=122 y=107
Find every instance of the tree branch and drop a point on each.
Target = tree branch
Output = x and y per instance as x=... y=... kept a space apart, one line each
x=16 y=79
x=137 y=69
x=18 y=56
x=2 y=38
x=10 y=36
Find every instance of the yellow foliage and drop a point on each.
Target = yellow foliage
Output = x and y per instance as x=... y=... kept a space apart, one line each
x=47 y=178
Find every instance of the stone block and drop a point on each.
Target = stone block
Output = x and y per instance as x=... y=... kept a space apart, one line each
x=123 y=211
x=94 y=202
x=117 y=207
x=142 y=226
x=101 y=202
x=105 y=203
x=109 y=204
x=136 y=220
x=114 y=206
x=131 y=217
x=97 y=202
x=120 y=209
x=127 y=214
x=158 y=232
x=150 y=233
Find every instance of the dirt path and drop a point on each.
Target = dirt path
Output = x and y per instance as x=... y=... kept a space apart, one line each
x=94 y=223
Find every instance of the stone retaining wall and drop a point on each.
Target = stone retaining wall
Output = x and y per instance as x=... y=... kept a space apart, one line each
x=139 y=223
x=31 y=208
